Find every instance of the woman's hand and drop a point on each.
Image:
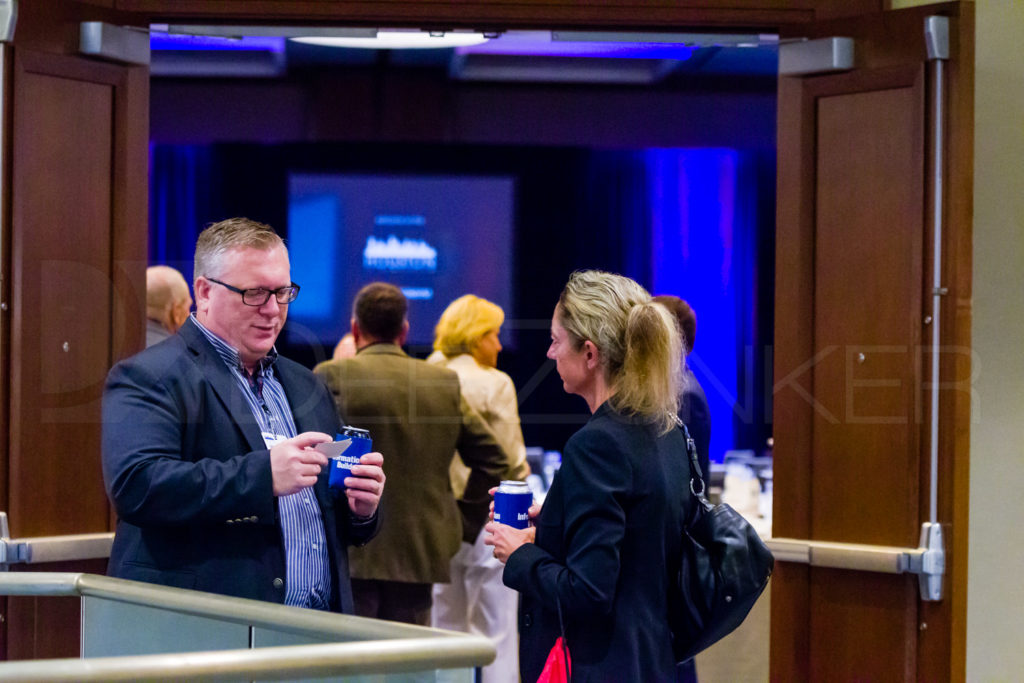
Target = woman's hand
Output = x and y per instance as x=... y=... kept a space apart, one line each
x=506 y=539
x=533 y=513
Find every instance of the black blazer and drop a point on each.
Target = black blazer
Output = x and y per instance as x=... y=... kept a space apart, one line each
x=189 y=475
x=608 y=538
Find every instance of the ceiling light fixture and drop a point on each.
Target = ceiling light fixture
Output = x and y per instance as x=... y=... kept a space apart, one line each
x=395 y=40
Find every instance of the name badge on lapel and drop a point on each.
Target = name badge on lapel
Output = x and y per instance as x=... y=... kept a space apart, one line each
x=271 y=439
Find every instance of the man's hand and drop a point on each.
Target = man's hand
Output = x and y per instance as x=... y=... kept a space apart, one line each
x=364 y=487
x=294 y=464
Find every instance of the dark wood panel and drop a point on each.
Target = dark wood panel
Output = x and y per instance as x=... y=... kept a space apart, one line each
x=129 y=211
x=944 y=642
x=654 y=15
x=47 y=627
x=5 y=285
x=858 y=636
x=482 y=14
x=78 y=252
x=792 y=419
x=789 y=644
x=79 y=197
x=793 y=401
x=61 y=327
x=5 y=297
x=43 y=627
x=867 y=311
x=54 y=25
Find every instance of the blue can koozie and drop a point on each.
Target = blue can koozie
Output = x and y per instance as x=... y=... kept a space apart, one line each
x=341 y=465
x=512 y=504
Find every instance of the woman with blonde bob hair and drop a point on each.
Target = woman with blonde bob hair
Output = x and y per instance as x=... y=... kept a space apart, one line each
x=475 y=600
x=596 y=564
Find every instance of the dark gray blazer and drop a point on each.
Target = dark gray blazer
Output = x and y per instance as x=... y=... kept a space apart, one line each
x=189 y=475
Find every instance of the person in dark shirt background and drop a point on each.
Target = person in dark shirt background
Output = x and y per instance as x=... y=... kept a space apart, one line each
x=693 y=411
x=693 y=404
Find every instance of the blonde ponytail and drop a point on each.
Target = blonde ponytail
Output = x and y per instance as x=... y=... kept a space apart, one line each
x=649 y=383
x=638 y=340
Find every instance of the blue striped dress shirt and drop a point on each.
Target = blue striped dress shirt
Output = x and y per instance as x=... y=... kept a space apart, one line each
x=308 y=579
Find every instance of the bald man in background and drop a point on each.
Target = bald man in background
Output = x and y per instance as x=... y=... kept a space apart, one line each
x=167 y=303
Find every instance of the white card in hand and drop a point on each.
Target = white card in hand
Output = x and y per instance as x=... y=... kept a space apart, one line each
x=333 y=449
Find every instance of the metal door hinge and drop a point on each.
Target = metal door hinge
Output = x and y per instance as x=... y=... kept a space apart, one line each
x=936 y=37
x=8 y=18
x=123 y=44
x=811 y=57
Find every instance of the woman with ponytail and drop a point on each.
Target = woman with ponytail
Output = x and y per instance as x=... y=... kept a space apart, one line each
x=596 y=565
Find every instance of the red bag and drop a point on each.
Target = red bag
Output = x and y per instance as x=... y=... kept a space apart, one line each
x=558 y=667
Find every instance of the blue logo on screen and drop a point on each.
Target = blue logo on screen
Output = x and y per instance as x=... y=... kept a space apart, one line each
x=394 y=254
x=399 y=219
x=418 y=293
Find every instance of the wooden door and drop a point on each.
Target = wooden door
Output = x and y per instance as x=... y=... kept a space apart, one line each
x=853 y=315
x=76 y=288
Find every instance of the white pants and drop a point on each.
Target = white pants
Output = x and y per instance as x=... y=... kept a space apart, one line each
x=476 y=601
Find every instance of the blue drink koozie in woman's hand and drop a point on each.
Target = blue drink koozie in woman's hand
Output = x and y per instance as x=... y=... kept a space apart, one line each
x=512 y=504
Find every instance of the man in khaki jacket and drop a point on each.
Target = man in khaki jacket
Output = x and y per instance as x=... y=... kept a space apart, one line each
x=416 y=413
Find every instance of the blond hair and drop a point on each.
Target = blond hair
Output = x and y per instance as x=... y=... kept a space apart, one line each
x=464 y=323
x=219 y=238
x=638 y=340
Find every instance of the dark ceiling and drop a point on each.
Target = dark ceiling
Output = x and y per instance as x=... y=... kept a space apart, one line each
x=518 y=56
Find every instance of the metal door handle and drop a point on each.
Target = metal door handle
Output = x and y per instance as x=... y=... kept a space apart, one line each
x=928 y=560
x=40 y=549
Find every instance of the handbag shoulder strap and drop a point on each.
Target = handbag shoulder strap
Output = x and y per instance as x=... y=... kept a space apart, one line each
x=696 y=475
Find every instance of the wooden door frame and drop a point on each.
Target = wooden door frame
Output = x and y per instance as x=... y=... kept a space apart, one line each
x=657 y=15
x=35 y=627
x=128 y=211
x=792 y=17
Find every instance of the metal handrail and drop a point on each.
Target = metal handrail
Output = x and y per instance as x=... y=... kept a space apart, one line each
x=382 y=647
x=269 y=663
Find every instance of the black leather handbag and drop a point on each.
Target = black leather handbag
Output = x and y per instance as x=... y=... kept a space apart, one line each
x=724 y=568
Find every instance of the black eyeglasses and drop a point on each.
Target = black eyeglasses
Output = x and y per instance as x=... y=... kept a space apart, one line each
x=259 y=296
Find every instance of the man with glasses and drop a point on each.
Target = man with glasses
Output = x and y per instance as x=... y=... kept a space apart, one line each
x=209 y=445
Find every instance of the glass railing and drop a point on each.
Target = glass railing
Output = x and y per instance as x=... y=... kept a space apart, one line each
x=135 y=631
